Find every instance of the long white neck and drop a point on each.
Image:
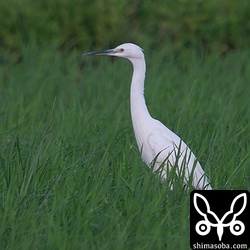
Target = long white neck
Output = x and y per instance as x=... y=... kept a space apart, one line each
x=139 y=111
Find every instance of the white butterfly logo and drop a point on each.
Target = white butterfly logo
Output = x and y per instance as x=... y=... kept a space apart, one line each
x=203 y=227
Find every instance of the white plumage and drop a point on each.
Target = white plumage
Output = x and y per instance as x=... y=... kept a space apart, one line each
x=159 y=146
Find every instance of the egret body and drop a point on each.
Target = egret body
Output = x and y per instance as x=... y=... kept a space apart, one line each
x=159 y=146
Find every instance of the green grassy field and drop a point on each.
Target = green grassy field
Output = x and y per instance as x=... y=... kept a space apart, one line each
x=71 y=175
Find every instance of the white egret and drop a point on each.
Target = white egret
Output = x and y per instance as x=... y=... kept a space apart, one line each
x=159 y=146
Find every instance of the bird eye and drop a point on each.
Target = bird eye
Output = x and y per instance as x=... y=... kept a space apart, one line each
x=121 y=49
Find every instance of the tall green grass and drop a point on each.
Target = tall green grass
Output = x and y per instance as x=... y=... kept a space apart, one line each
x=71 y=175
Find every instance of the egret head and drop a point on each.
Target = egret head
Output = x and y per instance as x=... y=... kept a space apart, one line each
x=126 y=50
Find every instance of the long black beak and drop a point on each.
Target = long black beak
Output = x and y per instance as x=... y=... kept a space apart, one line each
x=109 y=52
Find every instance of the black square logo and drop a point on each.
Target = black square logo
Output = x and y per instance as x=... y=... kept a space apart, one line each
x=220 y=219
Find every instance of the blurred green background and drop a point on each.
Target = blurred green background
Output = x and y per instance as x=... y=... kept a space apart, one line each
x=214 y=25
x=71 y=176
